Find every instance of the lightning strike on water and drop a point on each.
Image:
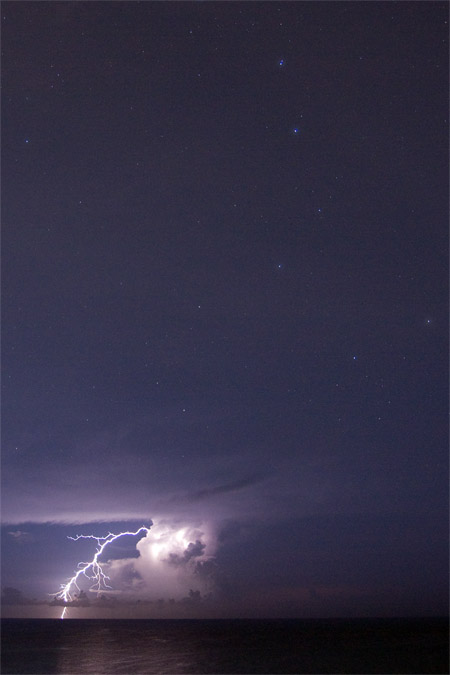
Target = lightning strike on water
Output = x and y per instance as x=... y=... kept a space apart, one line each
x=92 y=569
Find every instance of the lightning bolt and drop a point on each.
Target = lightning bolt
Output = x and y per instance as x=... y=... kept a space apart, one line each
x=92 y=569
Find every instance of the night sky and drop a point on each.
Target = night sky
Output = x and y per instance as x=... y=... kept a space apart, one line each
x=225 y=301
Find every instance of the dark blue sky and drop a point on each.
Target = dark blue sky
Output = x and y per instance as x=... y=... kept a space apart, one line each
x=225 y=295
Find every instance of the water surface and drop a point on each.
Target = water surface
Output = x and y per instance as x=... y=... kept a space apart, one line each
x=109 y=646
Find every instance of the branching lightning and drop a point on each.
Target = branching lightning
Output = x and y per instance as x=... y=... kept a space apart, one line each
x=92 y=569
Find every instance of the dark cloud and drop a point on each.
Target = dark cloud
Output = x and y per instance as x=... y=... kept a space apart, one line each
x=193 y=550
x=20 y=536
x=223 y=489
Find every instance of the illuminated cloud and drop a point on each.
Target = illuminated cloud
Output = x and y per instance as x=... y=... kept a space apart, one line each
x=173 y=559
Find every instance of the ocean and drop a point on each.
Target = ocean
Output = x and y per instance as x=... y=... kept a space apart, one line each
x=129 y=647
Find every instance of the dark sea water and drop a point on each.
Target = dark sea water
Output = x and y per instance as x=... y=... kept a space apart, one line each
x=122 y=647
